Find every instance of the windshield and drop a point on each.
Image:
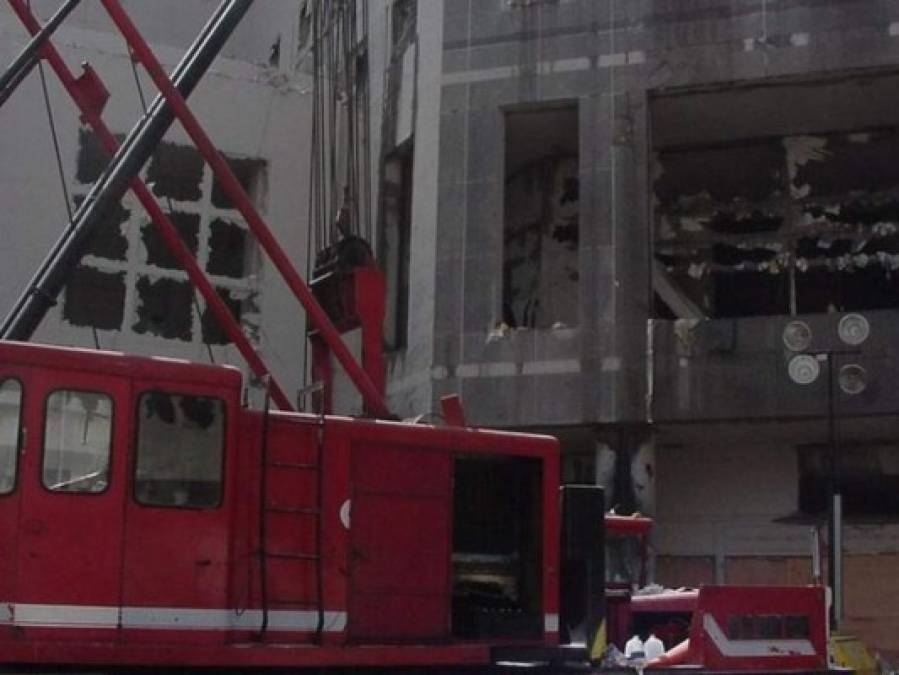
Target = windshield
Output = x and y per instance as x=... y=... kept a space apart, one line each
x=622 y=560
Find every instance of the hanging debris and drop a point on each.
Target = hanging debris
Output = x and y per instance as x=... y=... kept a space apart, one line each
x=784 y=225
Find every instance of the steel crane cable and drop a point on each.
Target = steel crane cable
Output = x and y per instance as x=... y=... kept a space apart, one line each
x=53 y=134
x=168 y=199
x=340 y=146
x=58 y=153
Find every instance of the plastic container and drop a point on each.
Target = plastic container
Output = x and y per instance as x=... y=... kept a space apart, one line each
x=653 y=648
x=634 y=650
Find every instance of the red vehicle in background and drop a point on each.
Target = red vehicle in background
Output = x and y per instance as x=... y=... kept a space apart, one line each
x=713 y=628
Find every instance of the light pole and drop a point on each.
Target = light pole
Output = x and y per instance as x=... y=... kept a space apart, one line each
x=804 y=368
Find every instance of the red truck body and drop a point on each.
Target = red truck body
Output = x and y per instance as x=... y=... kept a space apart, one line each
x=312 y=541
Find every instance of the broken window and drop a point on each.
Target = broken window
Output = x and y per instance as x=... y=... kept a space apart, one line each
x=304 y=26
x=213 y=333
x=541 y=221
x=92 y=159
x=180 y=447
x=95 y=298
x=77 y=441
x=787 y=216
x=249 y=173
x=396 y=224
x=176 y=172
x=164 y=308
x=402 y=20
x=188 y=226
x=868 y=477
x=108 y=240
x=227 y=249
x=130 y=280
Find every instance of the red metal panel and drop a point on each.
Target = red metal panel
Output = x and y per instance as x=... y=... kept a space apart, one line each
x=88 y=361
x=400 y=544
x=405 y=471
x=715 y=646
x=550 y=522
x=179 y=557
x=82 y=529
x=371 y=298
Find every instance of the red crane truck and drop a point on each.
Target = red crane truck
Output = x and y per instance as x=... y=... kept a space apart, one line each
x=148 y=518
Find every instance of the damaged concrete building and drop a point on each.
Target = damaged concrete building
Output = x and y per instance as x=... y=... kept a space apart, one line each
x=597 y=218
x=614 y=209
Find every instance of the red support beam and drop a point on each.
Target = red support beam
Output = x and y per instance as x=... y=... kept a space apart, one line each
x=83 y=91
x=374 y=399
x=369 y=295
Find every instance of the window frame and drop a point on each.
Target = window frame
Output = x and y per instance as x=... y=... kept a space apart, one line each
x=567 y=147
x=110 y=449
x=397 y=270
x=135 y=264
x=751 y=626
x=138 y=396
x=19 y=435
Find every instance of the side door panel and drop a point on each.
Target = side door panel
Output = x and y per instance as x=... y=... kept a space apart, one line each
x=72 y=486
x=400 y=539
x=177 y=519
x=14 y=388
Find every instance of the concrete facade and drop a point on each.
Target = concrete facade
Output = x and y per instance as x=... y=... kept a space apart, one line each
x=696 y=398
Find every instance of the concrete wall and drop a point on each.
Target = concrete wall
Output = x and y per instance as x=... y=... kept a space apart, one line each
x=720 y=486
x=418 y=118
x=501 y=56
x=249 y=109
x=609 y=57
x=718 y=506
x=728 y=369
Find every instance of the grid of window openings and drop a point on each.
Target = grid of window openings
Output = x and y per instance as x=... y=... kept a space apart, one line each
x=128 y=281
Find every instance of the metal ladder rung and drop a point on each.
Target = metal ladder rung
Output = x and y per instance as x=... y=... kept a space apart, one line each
x=300 y=523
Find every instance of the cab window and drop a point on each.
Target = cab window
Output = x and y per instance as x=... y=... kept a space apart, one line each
x=180 y=446
x=10 y=421
x=77 y=440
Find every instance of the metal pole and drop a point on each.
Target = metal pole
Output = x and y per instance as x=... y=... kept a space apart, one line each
x=126 y=164
x=374 y=399
x=28 y=57
x=838 y=560
x=834 y=539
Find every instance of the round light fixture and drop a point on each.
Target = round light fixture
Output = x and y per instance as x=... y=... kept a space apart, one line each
x=853 y=378
x=797 y=336
x=804 y=369
x=853 y=329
